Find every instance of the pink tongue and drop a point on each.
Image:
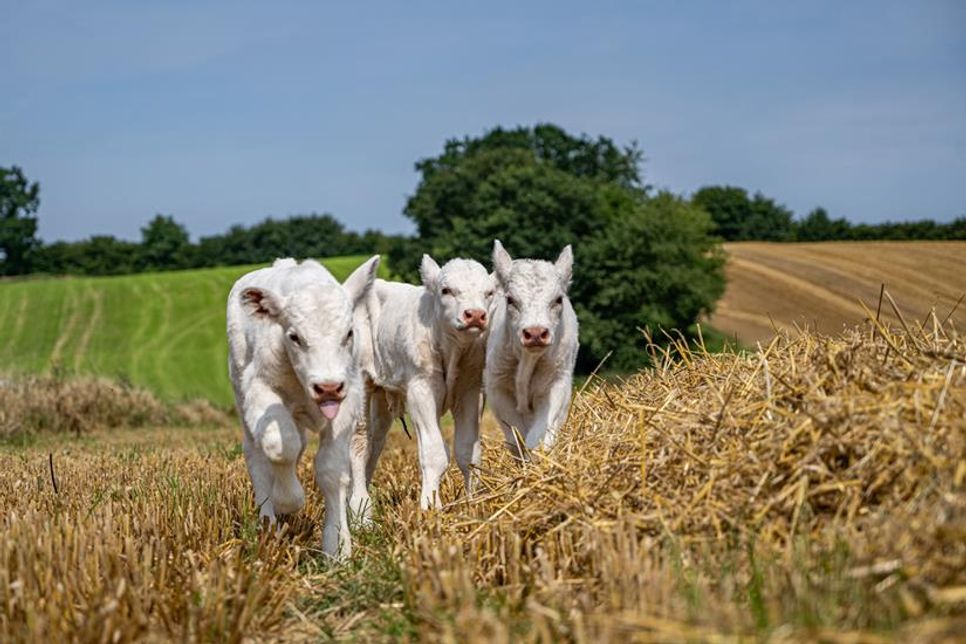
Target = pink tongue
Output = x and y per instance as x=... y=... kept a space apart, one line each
x=330 y=408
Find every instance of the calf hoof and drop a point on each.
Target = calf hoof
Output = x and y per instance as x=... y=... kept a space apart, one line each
x=430 y=500
x=266 y=515
x=360 y=511
x=518 y=452
x=342 y=554
x=288 y=502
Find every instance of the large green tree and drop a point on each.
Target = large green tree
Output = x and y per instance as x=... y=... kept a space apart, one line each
x=656 y=265
x=19 y=199
x=640 y=260
x=540 y=188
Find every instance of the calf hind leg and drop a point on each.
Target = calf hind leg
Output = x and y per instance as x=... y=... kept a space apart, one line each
x=380 y=421
x=466 y=437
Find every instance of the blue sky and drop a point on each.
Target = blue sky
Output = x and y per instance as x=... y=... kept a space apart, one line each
x=222 y=113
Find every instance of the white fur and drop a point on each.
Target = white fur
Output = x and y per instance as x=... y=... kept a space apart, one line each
x=529 y=389
x=288 y=329
x=423 y=359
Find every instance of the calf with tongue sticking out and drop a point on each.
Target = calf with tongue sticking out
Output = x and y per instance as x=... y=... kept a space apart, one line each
x=294 y=366
x=329 y=396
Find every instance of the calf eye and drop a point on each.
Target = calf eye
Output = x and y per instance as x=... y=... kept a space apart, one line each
x=559 y=300
x=489 y=294
x=348 y=336
x=511 y=302
x=446 y=291
x=294 y=337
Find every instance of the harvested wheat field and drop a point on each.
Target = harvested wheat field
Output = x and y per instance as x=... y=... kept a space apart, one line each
x=819 y=285
x=813 y=490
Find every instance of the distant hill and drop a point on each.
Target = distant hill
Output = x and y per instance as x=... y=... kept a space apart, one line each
x=163 y=331
x=820 y=284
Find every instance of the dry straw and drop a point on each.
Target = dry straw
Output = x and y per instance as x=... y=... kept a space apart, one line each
x=810 y=490
x=815 y=484
x=78 y=405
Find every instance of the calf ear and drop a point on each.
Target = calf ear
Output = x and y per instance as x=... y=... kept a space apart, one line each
x=429 y=271
x=359 y=283
x=502 y=263
x=261 y=303
x=565 y=265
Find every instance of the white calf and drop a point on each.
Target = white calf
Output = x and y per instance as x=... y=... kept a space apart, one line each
x=426 y=356
x=532 y=347
x=294 y=368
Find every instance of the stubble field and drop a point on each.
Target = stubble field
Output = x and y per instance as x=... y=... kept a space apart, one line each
x=814 y=490
x=777 y=286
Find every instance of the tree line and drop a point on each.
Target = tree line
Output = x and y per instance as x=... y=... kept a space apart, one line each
x=165 y=243
x=644 y=259
x=740 y=217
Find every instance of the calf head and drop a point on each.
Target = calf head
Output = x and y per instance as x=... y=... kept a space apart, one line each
x=317 y=334
x=535 y=291
x=462 y=290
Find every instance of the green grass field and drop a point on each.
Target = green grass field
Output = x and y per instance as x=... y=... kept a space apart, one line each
x=163 y=331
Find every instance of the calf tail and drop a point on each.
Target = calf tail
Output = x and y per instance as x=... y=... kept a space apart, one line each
x=402 y=419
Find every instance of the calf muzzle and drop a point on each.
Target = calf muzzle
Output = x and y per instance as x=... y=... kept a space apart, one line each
x=474 y=319
x=535 y=337
x=328 y=396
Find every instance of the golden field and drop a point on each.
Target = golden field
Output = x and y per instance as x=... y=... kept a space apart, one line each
x=813 y=490
x=819 y=285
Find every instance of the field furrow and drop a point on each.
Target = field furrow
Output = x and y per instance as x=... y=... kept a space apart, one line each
x=19 y=321
x=772 y=285
x=72 y=310
x=11 y=302
x=90 y=325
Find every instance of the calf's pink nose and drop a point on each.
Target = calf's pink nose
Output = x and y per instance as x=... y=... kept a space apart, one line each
x=329 y=388
x=474 y=317
x=535 y=336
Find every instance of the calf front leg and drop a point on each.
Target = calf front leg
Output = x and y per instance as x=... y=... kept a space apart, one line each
x=504 y=408
x=260 y=472
x=332 y=475
x=272 y=450
x=433 y=457
x=550 y=415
